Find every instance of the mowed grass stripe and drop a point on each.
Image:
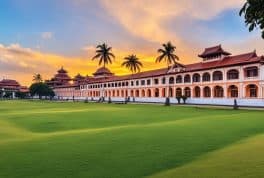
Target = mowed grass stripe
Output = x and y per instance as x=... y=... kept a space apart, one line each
x=135 y=141
x=23 y=133
x=243 y=159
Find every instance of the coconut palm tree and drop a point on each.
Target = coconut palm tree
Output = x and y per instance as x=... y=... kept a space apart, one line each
x=37 y=78
x=167 y=54
x=132 y=63
x=103 y=53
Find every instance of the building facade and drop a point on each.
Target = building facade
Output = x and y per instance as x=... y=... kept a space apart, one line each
x=218 y=79
x=9 y=88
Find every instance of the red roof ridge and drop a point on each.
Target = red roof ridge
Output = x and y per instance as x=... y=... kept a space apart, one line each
x=249 y=54
x=213 y=50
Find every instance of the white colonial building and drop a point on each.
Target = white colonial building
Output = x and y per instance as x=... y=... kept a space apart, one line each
x=218 y=79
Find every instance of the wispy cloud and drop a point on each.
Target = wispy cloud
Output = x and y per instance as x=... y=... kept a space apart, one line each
x=145 y=18
x=21 y=63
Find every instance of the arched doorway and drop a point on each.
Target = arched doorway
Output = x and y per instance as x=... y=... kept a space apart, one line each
x=252 y=91
x=187 y=92
x=233 y=91
x=132 y=93
x=178 y=92
x=137 y=93
x=156 y=92
x=142 y=93
x=197 y=92
x=218 y=92
x=148 y=93
x=207 y=92
x=163 y=92
x=170 y=92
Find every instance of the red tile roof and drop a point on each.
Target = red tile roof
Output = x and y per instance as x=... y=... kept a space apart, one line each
x=9 y=82
x=102 y=71
x=227 y=61
x=213 y=50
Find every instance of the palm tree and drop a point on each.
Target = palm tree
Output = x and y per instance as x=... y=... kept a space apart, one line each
x=132 y=63
x=103 y=53
x=167 y=54
x=37 y=78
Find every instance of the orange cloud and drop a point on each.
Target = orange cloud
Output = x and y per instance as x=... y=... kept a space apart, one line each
x=22 y=63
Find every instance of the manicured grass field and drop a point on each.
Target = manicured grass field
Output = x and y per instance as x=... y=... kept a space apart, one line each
x=45 y=139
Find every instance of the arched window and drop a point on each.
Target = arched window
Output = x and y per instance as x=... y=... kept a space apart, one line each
x=217 y=75
x=171 y=80
x=117 y=93
x=207 y=92
x=179 y=79
x=196 y=78
x=232 y=74
x=178 y=92
x=156 y=92
x=252 y=91
x=187 y=78
x=170 y=92
x=187 y=92
x=218 y=92
x=251 y=72
x=148 y=93
x=163 y=80
x=233 y=91
x=197 y=92
x=206 y=77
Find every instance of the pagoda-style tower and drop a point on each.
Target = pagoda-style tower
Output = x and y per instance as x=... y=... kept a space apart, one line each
x=103 y=72
x=214 y=53
x=61 y=78
x=79 y=79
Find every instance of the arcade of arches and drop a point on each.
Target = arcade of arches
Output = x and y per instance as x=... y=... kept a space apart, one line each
x=231 y=91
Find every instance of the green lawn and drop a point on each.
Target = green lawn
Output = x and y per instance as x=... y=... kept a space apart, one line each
x=45 y=139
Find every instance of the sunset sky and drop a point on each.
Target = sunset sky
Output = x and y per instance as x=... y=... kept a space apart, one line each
x=40 y=36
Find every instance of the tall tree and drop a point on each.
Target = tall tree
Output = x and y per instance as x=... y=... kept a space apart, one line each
x=37 y=78
x=167 y=54
x=132 y=63
x=103 y=53
x=41 y=89
x=253 y=12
